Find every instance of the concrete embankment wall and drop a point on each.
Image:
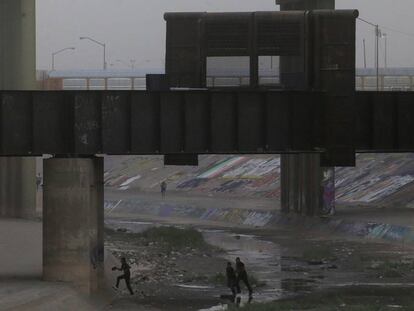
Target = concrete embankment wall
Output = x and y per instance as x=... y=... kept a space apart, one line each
x=377 y=180
x=256 y=219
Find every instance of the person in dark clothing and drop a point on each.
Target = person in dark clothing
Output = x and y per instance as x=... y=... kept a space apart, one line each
x=241 y=275
x=163 y=188
x=38 y=181
x=231 y=278
x=126 y=276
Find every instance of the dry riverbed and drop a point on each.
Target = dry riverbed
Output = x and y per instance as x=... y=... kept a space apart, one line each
x=182 y=269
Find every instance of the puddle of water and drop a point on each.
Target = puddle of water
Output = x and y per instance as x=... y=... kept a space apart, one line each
x=240 y=302
x=262 y=258
x=194 y=286
x=130 y=226
x=297 y=285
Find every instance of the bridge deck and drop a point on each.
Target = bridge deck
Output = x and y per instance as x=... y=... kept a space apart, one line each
x=200 y=122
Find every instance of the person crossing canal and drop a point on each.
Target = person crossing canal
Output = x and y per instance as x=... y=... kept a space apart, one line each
x=126 y=276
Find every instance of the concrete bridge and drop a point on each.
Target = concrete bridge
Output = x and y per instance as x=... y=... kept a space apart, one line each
x=315 y=118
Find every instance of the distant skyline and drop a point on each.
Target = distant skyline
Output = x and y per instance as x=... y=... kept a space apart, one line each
x=135 y=29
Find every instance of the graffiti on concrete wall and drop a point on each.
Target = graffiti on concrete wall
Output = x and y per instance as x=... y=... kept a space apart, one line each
x=328 y=188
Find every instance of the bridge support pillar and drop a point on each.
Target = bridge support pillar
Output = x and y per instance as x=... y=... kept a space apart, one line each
x=73 y=247
x=17 y=72
x=306 y=187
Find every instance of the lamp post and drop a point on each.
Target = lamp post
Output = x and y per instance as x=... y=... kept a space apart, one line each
x=101 y=44
x=385 y=37
x=377 y=36
x=58 y=52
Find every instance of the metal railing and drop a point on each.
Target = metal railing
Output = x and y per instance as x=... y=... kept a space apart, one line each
x=363 y=83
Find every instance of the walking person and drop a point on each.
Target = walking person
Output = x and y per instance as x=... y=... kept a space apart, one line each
x=163 y=188
x=231 y=279
x=241 y=275
x=126 y=276
x=38 y=181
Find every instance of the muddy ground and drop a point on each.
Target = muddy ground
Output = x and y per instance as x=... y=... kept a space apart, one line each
x=286 y=263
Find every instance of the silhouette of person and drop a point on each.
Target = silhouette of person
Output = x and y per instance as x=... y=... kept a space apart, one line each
x=231 y=278
x=163 y=188
x=126 y=276
x=38 y=181
x=242 y=276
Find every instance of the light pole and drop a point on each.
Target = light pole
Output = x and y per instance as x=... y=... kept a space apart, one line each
x=377 y=36
x=57 y=52
x=385 y=36
x=101 y=44
x=365 y=55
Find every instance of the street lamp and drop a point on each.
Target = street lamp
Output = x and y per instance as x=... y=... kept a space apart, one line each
x=385 y=36
x=57 y=52
x=377 y=36
x=101 y=44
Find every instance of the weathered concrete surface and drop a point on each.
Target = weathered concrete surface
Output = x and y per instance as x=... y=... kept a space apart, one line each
x=21 y=285
x=306 y=187
x=73 y=248
x=17 y=45
x=17 y=72
x=20 y=249
x=17 y=187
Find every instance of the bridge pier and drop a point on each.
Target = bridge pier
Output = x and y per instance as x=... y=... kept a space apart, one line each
x=306 y=187
x=73 y=244
x=17 y=72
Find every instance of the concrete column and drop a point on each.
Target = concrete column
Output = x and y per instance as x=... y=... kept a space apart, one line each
x=17 y=72
x=306 y=187
x=17 y=45
x=73 y=248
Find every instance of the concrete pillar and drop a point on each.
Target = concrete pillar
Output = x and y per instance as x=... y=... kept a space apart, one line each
x=17 y=72
x=73 y=248
x=17 y=45
x=306 y=187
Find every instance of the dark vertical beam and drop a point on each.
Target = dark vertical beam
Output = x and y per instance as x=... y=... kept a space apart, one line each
x=301 y=173
x=254 y=57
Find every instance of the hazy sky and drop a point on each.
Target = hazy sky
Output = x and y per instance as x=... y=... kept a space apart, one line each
x=135 y=29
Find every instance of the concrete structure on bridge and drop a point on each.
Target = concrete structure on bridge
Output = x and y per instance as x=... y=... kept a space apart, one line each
x=17 y=72
x=311 y=64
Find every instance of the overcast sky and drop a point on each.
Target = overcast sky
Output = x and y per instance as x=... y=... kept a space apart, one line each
x=135 y=29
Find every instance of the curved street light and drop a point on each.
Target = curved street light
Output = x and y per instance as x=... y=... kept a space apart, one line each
x=99 y=43
x=57 y=52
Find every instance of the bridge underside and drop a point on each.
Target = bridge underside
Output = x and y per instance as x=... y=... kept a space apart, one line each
x=203 y=122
